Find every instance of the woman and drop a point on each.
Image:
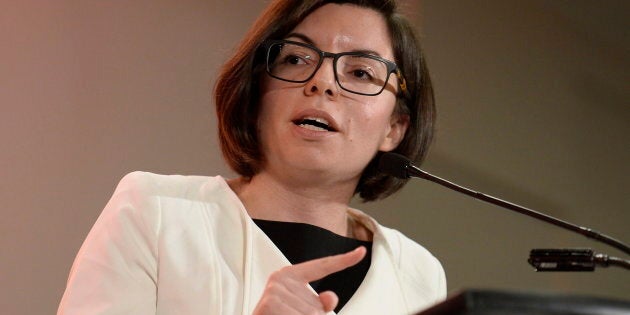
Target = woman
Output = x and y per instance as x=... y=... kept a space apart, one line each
x=314 y=92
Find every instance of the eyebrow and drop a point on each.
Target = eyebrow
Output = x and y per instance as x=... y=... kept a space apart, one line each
x=309 y=41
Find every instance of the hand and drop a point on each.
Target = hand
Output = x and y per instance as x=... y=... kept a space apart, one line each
x=287 y=290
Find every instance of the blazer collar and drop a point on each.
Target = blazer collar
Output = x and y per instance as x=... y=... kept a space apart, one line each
x=379 y=293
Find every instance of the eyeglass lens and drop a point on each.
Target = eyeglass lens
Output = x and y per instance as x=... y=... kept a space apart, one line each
x=360 y=74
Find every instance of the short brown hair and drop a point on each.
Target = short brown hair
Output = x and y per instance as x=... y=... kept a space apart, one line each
x=237 y=94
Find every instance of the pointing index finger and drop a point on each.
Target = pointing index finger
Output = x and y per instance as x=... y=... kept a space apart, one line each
x=319 y=268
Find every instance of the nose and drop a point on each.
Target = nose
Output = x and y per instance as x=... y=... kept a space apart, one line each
x=323 y=81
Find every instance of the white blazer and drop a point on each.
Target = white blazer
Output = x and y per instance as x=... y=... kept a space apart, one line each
x=186 y=245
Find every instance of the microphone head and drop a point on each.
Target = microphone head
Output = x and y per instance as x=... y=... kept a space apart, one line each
x=394 y=164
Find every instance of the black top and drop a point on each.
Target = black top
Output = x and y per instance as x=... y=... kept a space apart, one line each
x=301 y=242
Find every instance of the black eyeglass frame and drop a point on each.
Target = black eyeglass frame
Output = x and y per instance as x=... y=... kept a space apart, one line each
x=391 y=66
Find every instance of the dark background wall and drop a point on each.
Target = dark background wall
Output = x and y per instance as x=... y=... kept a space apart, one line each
x=532 y=99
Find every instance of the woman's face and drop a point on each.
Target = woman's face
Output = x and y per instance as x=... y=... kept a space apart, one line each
x=359 y=125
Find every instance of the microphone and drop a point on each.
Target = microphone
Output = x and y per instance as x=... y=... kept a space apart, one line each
x=400 y=166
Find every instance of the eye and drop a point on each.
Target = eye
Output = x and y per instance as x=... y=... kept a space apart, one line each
x=295 y=60
x=295 y=55
x=362 y=74
x=360 y=69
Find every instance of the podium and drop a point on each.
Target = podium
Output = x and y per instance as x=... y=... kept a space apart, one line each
x=491 y=302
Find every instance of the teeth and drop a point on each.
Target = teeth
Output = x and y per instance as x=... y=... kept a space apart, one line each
x=314 y=123
x=317 y=119
x=311 y=127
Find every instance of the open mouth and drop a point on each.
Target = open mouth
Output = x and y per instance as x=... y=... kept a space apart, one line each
x=314 y=123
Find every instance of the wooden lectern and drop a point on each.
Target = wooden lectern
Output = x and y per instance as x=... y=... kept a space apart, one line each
x=489 y=302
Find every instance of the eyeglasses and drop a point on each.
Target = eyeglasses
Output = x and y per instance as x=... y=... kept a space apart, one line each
x=355 y=72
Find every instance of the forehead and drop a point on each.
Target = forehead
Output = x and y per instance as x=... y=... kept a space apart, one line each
x=347 y=27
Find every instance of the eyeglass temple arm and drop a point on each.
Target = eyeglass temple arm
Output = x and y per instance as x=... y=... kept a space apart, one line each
x=401 y=80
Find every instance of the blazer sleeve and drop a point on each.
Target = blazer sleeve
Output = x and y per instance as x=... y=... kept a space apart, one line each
x=115 y=271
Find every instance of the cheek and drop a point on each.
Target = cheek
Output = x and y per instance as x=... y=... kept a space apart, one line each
x=263 y=114
x=274 y=97
x=373 y=119
x=267 y=108
x=267 y=84
x=270 y=96
x=266 y=112
x=273 y=114
x=378 y=111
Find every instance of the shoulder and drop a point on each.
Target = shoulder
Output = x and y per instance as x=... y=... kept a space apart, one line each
x=143 y=195
x=418 y=267
x=157 y=184
x=408 y=254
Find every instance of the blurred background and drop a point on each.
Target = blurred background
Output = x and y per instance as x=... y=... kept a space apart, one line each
x=533 y=108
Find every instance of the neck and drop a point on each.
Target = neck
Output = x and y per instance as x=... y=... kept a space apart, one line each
x=269 y=198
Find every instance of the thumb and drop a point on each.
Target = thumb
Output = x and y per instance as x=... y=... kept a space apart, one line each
x=329 y=300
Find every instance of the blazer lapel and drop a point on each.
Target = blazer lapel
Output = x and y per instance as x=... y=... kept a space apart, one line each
x=262 y=259
x=380 y=291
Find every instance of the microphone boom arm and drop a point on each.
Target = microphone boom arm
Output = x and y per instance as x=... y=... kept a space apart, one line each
x=413 y=171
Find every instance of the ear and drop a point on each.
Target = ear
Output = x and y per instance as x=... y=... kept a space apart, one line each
x=397 y=128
